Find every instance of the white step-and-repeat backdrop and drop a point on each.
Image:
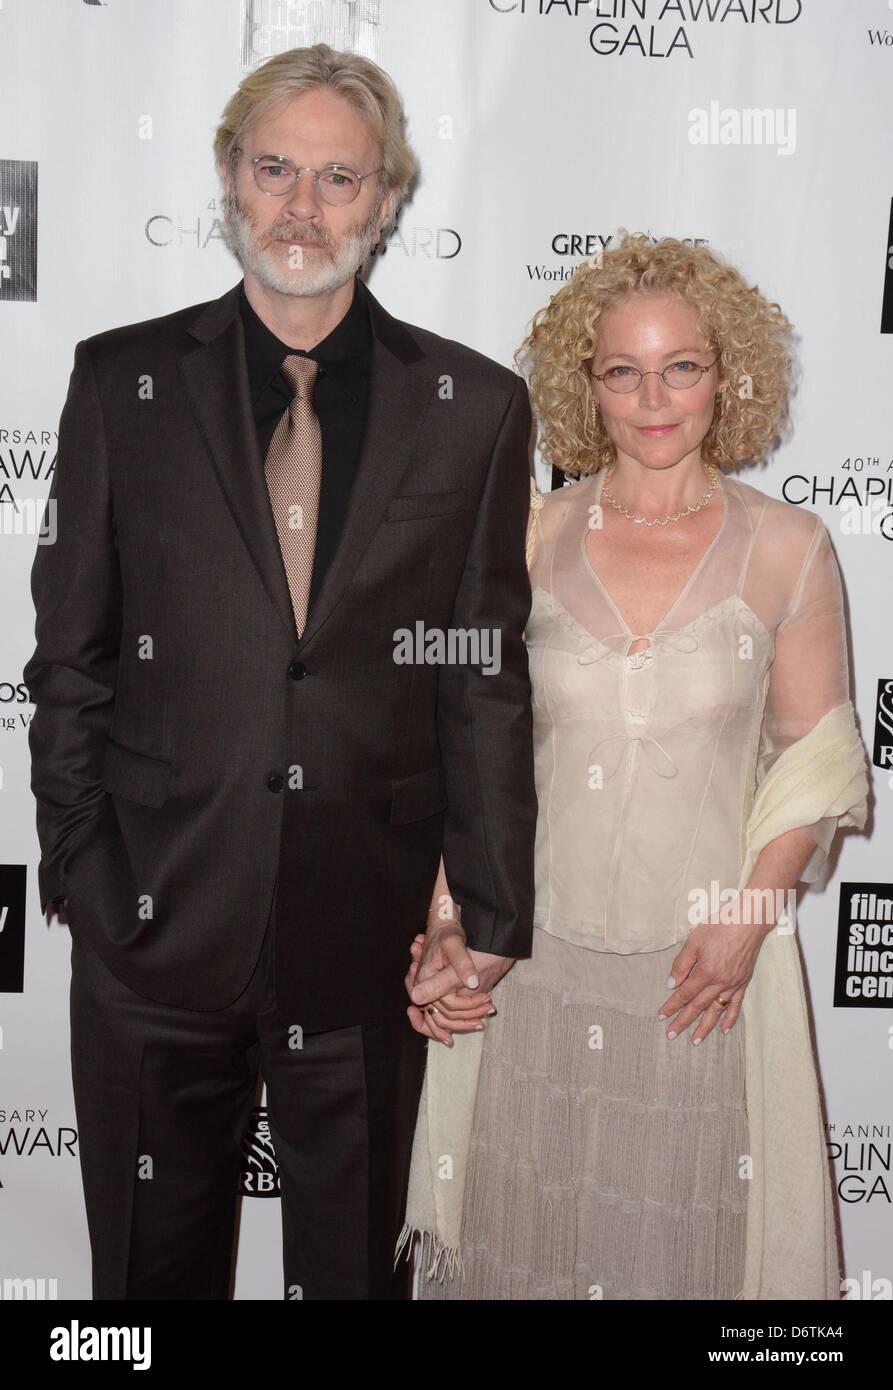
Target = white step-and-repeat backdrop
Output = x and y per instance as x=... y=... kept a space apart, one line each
x=542 y=126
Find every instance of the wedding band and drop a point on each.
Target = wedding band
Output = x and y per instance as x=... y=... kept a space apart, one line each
x=722 y=1001
x=432 y=1009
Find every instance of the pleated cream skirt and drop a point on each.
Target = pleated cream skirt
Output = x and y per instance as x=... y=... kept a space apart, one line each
x=607 y=1160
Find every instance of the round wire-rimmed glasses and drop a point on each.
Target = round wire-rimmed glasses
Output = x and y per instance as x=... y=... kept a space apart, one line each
x=680 y=375
x=276 y=175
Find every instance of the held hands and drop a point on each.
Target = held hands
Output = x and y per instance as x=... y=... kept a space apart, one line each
x=715 y=965
x=445 y=974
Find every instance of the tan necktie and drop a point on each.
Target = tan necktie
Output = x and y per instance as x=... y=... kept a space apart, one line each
x=292 y=468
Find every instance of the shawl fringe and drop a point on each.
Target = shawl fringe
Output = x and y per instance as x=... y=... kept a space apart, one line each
x=445 y=1259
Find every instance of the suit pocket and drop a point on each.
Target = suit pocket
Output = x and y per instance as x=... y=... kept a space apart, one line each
x=135 y=776
x=415 y=505
x=417 y=796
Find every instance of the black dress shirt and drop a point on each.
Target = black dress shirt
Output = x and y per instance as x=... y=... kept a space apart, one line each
x=339 y=399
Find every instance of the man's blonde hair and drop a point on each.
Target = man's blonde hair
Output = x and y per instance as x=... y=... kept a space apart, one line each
x=360 y=81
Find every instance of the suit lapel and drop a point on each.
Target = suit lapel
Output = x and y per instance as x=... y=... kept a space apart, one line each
x=401 y=384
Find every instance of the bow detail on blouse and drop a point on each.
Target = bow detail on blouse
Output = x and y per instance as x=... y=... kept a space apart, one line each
x=673 y=637
x=657 y=756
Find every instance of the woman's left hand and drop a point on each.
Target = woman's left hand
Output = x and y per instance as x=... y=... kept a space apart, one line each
x=717 y=961
x=460 y=1010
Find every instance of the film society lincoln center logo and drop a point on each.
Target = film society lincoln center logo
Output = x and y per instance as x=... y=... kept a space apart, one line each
x=863 y=976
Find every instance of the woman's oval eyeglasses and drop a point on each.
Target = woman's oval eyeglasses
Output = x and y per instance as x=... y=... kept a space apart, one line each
x=276 y=175
x=679 y=375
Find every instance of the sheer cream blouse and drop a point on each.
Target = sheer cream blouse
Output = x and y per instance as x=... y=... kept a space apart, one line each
x=647 y=763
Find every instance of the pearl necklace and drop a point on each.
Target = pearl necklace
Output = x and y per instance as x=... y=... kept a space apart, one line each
x=660 y=520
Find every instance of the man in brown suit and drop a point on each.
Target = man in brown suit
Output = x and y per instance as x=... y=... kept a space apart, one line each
x=242 y=793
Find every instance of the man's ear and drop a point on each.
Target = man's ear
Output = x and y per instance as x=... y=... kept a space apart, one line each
x=384 y=212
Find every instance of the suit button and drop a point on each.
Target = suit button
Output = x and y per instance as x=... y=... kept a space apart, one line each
x=297 y=670
x=276 y=782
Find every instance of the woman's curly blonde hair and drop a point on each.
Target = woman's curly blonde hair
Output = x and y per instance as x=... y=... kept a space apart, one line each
x=750 y=333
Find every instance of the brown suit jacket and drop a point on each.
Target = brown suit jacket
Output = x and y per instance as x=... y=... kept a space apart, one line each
x=178 y=713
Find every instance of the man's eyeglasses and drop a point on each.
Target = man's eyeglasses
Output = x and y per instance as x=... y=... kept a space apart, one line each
x=276 y=175
x=679 y=375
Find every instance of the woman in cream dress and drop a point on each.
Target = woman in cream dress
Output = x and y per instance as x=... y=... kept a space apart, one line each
x=627 y=1126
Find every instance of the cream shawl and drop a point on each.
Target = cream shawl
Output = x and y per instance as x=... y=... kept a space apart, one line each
x=791 y=1246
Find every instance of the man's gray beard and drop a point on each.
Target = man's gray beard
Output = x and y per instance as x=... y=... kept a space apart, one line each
x=335 y=268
